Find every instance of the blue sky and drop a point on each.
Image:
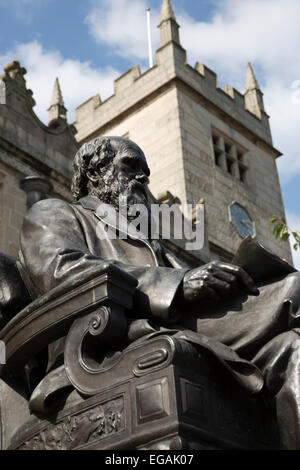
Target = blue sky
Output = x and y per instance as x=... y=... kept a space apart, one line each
x=89 y=43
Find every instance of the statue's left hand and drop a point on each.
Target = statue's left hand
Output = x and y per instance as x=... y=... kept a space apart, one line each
x=216 y=279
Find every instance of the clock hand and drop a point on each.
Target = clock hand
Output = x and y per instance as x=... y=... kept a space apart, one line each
x=247 y=223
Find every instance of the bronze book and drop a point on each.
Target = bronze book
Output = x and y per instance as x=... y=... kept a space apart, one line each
x=259 y=263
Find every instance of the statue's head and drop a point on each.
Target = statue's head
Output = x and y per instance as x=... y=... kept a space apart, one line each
x=111 y=169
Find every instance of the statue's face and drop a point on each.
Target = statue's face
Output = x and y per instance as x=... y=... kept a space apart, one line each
x=122 y=182
x=131 y=173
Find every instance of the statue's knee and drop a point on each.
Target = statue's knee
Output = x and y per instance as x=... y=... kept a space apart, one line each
x=295 y=351
x=294 y=277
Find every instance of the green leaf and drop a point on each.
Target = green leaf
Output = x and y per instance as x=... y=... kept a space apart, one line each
x=296 y=246
x=285 y=236
x=296 y=236
x=273 y=219
x=282 y=231
x=277 y=230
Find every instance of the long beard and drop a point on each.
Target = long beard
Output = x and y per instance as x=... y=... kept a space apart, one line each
x=124 y=198
x=135 y=202
x=107 y=190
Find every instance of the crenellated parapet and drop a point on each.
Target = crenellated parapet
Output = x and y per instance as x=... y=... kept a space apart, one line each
x=127 y=79
x=133 y=89
x=233 y=103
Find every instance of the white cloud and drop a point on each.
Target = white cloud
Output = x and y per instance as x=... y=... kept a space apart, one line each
x=79 y=80
x=283 y=105
x=260 y=30
x=266 y=32
x=121 y=24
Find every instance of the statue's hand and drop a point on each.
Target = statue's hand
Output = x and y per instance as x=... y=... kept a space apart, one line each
x=215 y=280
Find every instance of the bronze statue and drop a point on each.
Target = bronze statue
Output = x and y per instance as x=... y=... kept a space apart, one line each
x=253 y=328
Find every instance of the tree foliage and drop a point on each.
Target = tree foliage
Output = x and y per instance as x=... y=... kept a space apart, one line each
x=282 y=232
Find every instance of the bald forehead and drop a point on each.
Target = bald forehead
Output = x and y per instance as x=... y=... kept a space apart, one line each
x=120 y=143
x=126 y=146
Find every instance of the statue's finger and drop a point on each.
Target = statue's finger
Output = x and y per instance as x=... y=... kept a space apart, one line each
x=248 y=281
x=212 y=294
x=242 y=275
x=221 y=286
x=225 y=276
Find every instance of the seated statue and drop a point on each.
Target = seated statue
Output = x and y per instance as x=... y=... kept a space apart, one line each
x=253 y=327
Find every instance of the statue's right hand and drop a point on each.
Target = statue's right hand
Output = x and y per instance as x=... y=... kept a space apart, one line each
x=216 y=279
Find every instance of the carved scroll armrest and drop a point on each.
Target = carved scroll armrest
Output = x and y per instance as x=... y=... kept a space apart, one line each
x=51 y=316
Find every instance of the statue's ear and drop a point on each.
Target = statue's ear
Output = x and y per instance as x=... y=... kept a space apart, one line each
x=92 y=175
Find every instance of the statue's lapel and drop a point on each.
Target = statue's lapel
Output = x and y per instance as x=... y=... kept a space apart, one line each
x=109 y=216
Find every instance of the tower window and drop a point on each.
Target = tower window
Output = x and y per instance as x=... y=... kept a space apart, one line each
x=229 y=156
x=243 y=175
x=228 y=148
x=215 y=140
x=230 y=165
x=239 y=156
x=218 y=156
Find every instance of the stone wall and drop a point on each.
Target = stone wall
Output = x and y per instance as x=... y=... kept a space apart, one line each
x=13 y=208
x=28 y=148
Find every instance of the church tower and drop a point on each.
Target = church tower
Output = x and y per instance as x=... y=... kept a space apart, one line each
x=201 y=143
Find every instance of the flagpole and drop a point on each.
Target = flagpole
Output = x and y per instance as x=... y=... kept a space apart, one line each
x=149 y=38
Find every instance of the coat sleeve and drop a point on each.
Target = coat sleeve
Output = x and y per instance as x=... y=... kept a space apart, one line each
x=54 y=249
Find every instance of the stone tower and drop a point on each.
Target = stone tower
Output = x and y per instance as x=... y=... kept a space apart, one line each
x=200 y=142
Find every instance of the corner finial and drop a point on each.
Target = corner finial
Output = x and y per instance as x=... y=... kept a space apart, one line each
x=57 y=94
x=57 y=111
x=251 y=82
x=168 y=27
x=167 y=12
x=253 y=96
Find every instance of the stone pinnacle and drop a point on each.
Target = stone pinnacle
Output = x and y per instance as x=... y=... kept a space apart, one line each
x=167 y=12
x=57 y=95
x=251 y=82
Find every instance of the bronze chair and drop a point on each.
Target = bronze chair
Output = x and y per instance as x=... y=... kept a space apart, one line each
x=116 y=388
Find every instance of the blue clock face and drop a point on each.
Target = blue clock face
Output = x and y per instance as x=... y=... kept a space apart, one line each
x=241 y=220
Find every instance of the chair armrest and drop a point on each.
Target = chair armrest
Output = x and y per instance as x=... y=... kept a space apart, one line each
x=51 y=316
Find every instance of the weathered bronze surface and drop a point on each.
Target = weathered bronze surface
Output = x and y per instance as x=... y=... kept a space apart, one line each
x=123 y=347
